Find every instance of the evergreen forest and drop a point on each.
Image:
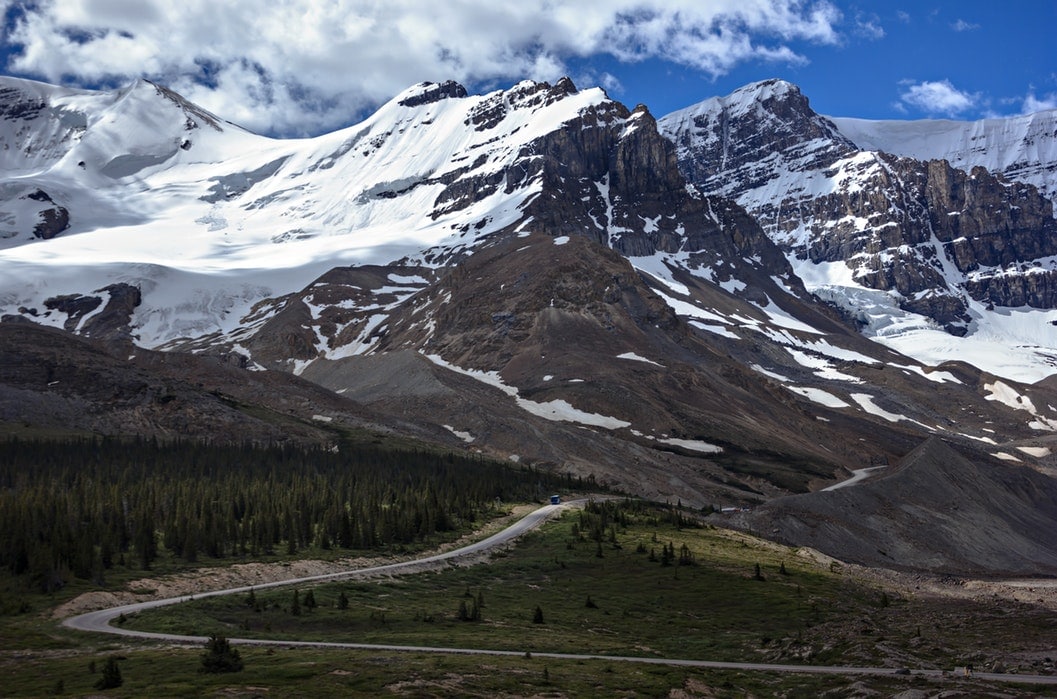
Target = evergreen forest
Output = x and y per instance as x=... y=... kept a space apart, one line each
x=80 y=507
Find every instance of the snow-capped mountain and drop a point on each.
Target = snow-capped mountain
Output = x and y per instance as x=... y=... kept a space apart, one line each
x=906 y=246
x=1021 y=148
x=525 y=273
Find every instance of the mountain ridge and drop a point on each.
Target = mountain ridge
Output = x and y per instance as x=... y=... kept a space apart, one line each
x=942 y=245
x=524 y=273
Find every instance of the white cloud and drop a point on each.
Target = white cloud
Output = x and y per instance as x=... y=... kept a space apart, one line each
x=295 y=66
x=938 y=97
x=962 y=26
x=869 y=26
x=1034 y=104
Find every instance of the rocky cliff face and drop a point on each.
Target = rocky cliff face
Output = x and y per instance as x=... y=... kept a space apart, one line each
x=934 y=236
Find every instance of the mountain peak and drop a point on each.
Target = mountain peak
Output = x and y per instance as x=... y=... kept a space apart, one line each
x=770 y=88
x=428 y=93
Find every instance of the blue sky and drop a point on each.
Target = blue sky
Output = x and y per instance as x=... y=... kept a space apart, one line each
x=999 y=56
x=302 y=67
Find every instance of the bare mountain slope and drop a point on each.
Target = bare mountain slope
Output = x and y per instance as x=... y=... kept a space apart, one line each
x=54 y=382
x=937 y=510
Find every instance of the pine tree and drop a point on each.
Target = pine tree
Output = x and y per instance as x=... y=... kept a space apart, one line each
x=220 y=656
x=343 y=600
x=111 y=677
x=310 y=600
x=295 y=606
x=537 y=616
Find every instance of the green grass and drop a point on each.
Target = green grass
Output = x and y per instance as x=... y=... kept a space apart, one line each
x=715 y=609
x=712 y=610
x=321 y=674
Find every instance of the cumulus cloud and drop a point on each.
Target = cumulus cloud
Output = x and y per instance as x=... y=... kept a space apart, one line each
x=938 y=97
x=1034 y=104
x=962 y=26
x=303 y=66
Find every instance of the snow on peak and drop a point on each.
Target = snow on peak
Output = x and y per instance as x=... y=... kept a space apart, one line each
x=1022 y=148
x=744 y=100
x=153 y=183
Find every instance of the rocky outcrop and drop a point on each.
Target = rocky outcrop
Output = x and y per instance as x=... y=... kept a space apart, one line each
x=984 y=221
x=84 y=315
x=432 y=92
x=52 y=220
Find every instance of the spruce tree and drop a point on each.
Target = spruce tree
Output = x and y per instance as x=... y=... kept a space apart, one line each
x=220 y=656
x=111 y=677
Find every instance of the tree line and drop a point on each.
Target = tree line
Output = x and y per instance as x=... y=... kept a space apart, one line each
x=80 y=507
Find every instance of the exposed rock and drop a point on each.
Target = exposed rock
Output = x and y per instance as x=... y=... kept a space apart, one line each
x=75 y=306
x=114 y=321
x=83 y=315
x=53 y=220
x=432 y=92
x=925 y=231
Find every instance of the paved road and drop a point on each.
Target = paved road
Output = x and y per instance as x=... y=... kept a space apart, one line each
x=99 y=621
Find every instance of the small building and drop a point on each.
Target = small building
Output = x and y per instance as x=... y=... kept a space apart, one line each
x=556 y=500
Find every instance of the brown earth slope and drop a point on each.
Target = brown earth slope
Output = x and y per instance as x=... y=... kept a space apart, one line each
x=936 y=511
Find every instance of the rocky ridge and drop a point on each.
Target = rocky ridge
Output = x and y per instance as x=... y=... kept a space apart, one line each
x=934 y=236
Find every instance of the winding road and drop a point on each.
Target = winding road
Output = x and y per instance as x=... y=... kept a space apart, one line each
x=99 y=621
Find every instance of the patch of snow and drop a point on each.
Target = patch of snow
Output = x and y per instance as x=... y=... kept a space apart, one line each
x=865 y=402
x=819 y=396
x=825 y=369
x=693 y=445
x=556 y=410
x=1005 y=394
x=1037 y=452
x=770 y=374
x=634 y=357
x=715 y=329
x=464 y=436
x=782 y=319
x=402 y=280
x=1005 y=456
x=732 y=285
x=934 y=376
